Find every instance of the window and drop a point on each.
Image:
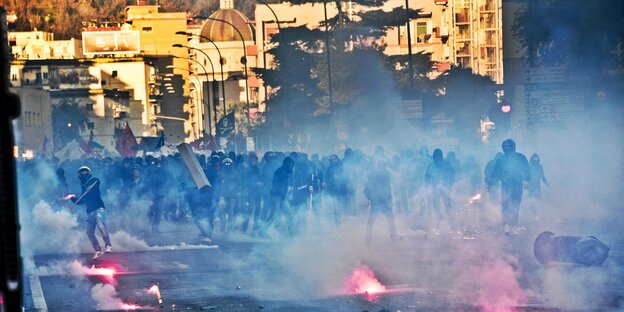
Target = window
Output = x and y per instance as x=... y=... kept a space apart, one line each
x=45 y=75
x=421 y=31
x=13 y=77
x=90 y=125
x=114 y=74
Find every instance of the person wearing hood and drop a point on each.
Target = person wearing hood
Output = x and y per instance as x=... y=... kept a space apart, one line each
x=537 y=177
x=281 y=186
x=229 y=191
x=513 y=172
x=379 y=192
x=491 y=188
x=439 y=178
x=96 y=211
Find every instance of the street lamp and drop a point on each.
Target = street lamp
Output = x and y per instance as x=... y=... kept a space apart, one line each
x=410 y=66
x=329 y=76
x=215 y=93
x=243 y=60
x=221 y=62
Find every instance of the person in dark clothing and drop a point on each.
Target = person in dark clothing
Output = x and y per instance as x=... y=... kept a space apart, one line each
x=229 y=191
x=378 y=191
x=336 y=186
x=254 y=182
x=96 y=211
x=281 y=186
x=155 y=192
x=513 y=172
x=537 y=177
x=440 y=177
x=491 y=188
x=202 y=210
x=61 y=188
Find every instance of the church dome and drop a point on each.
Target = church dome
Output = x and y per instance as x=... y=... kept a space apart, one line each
x=220 y=31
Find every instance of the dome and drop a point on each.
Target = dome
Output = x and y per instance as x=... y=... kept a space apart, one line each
x=220 y=31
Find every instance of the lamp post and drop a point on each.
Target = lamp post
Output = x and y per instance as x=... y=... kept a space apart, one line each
x=221 y=62
x=191 y=73
x=202 y=88
x=243 y=60
x=215 y=93
x=409 y=47
x=329 y=76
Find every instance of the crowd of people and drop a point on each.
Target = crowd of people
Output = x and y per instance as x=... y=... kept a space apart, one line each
x=252 y=194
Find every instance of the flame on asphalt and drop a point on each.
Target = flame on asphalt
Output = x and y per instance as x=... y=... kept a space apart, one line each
x=363 y=281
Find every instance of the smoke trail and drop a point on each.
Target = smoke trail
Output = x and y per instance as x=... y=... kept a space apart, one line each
x=106 y=297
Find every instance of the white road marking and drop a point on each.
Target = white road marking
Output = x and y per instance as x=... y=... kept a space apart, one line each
x=36 y=291
x=37 y=294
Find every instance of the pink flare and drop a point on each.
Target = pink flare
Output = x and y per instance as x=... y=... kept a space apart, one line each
x=104 y=272
x=128 y=306
x=363 y=281
x=499 y=288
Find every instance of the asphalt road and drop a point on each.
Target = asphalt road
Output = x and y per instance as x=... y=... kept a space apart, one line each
x=422 y=272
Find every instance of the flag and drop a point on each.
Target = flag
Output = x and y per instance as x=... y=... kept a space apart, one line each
x=126 y=142
x=212 y=144
x=225 y=126
x=161 y=141
x=85 y=147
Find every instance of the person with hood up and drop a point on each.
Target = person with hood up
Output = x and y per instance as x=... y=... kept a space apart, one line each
x=379 y=192
x=96 y=211
x=513 y=172
x=439 y=178
x=537 y=177
x=281 y=186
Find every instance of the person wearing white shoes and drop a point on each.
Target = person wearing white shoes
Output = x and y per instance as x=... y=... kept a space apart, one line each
x=96 y=211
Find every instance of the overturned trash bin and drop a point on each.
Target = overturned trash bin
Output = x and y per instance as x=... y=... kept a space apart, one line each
x=587 y=251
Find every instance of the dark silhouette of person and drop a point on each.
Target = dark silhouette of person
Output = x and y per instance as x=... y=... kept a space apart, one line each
x=379 y=192
x=537 y=177
x=281 y=186
x=491 y=187
x=513 y=173
x=440 y=177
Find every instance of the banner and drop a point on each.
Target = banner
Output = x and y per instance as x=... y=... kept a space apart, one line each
x=225 y=126
x=110 y=42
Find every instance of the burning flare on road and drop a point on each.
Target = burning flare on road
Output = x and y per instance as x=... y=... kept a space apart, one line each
x=106 y=273
x=156 y=291
x=364 y=281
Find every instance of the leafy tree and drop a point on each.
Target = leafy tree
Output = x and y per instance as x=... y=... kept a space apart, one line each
x=361 y=80
x=582 y=34
x=467 y=97
x=68 y=120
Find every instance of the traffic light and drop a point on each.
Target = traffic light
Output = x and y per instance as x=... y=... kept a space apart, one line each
x=505 y=107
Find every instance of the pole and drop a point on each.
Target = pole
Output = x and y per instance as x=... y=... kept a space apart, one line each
x=215 y=93
x=410 y=66
x=329 y=75
x=199 y=80
x=221 y=63
x=244 y=61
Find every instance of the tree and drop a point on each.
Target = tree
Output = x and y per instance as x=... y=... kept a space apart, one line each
x=363 y=88
x=69 y=119
x=582 y=34
x=467 y=97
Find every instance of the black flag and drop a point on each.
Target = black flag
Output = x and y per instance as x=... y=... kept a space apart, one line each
x=225 y=126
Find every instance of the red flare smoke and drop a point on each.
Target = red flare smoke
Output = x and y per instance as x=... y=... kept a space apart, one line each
x=363 y=281
x=106 y=273
x=128 y=306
